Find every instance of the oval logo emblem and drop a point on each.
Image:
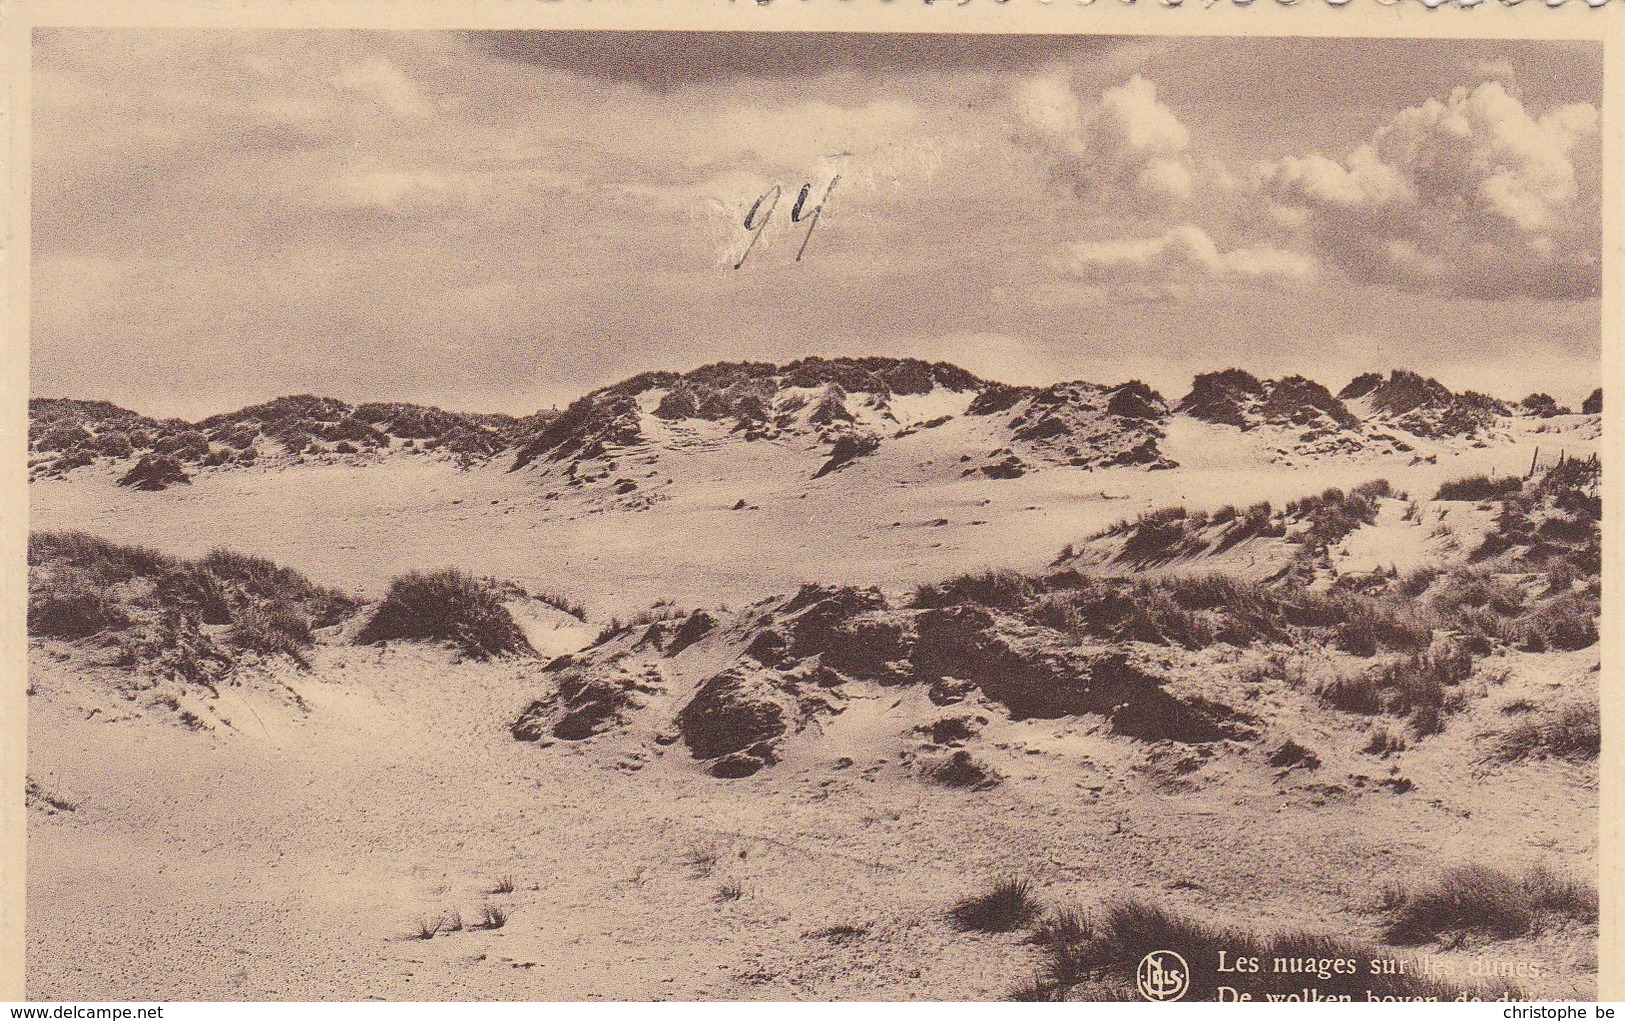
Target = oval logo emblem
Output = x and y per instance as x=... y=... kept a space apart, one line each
x=1162 y=976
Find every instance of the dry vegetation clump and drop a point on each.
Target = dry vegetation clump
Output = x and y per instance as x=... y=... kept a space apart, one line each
x=73 y=606
x=155 y=472
x=1006 y=907
x=66 y=434
x=1550 y=525
x=1567 y=622
x=1476 y=488
x=1485 y=901
x=1159 y=535
x=154 y=609
x=730 y=891
x=1424 y=686
x=1150 y=611
x=1256 y=522
x=846 y=449
x=701 y=861
x=1415 y=582
x=1333 y=514
x=1466 y=589
x=1005 y=589
x=254 y=580
x=660 y=612
x=1095 y=957
x=1574 y=733
x=1365 y=624
x=492 y=916
x=961 y=769
x=1384 y=742
x=193 y=586
x=562 y=603
x=446 y=606
x=276 y=629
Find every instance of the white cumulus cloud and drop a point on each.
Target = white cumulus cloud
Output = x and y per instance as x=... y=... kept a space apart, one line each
x=1473 y=193
x=1168 y=264
x=1127 y=141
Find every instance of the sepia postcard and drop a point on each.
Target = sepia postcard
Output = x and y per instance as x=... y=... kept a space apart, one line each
x=810 y=503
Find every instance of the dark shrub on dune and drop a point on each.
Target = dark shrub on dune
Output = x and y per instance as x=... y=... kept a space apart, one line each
x=159 y=609
x=1573 y=733
x=109 y=561
x=264 y=582
x=155 y=472
x=446 y=606
x=114 y=444
x=64 y=436
x=274 y=629
x=1422 y=686
x=72 y=605
x=845 y=450
x=187 y=445
x=1479 y=487
x=961 y=769
x=1002 y=588
x=1569 y=621
x=1006 y=907
x=1487 y=901
x=197 y=590
x=1543 y=406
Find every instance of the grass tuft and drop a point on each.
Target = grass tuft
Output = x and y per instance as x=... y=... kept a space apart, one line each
x=999 y=589
x=1474 y=488
x=157 y=609
x=1573 y=732
x=961 y=770
x=1486 y=901
x=1006 y=907
x=70 y=606
x=447 y=606
x=492 y=917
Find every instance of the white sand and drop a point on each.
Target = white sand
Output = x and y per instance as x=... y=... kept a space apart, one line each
x=291 y=854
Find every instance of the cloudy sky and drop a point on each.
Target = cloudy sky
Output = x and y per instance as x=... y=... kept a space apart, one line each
x=503 y=221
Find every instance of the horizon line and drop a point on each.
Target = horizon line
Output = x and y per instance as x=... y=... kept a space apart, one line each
x=1387 y=374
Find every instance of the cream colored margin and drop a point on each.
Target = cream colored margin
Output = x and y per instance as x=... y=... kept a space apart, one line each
x=1529 y=19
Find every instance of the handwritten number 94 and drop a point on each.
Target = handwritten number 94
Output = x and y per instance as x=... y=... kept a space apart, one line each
x=757 y=219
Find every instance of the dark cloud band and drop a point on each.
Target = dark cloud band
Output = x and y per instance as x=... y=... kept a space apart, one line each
x=665 y=61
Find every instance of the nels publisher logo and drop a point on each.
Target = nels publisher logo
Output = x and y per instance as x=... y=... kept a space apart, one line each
x=1162 y=976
